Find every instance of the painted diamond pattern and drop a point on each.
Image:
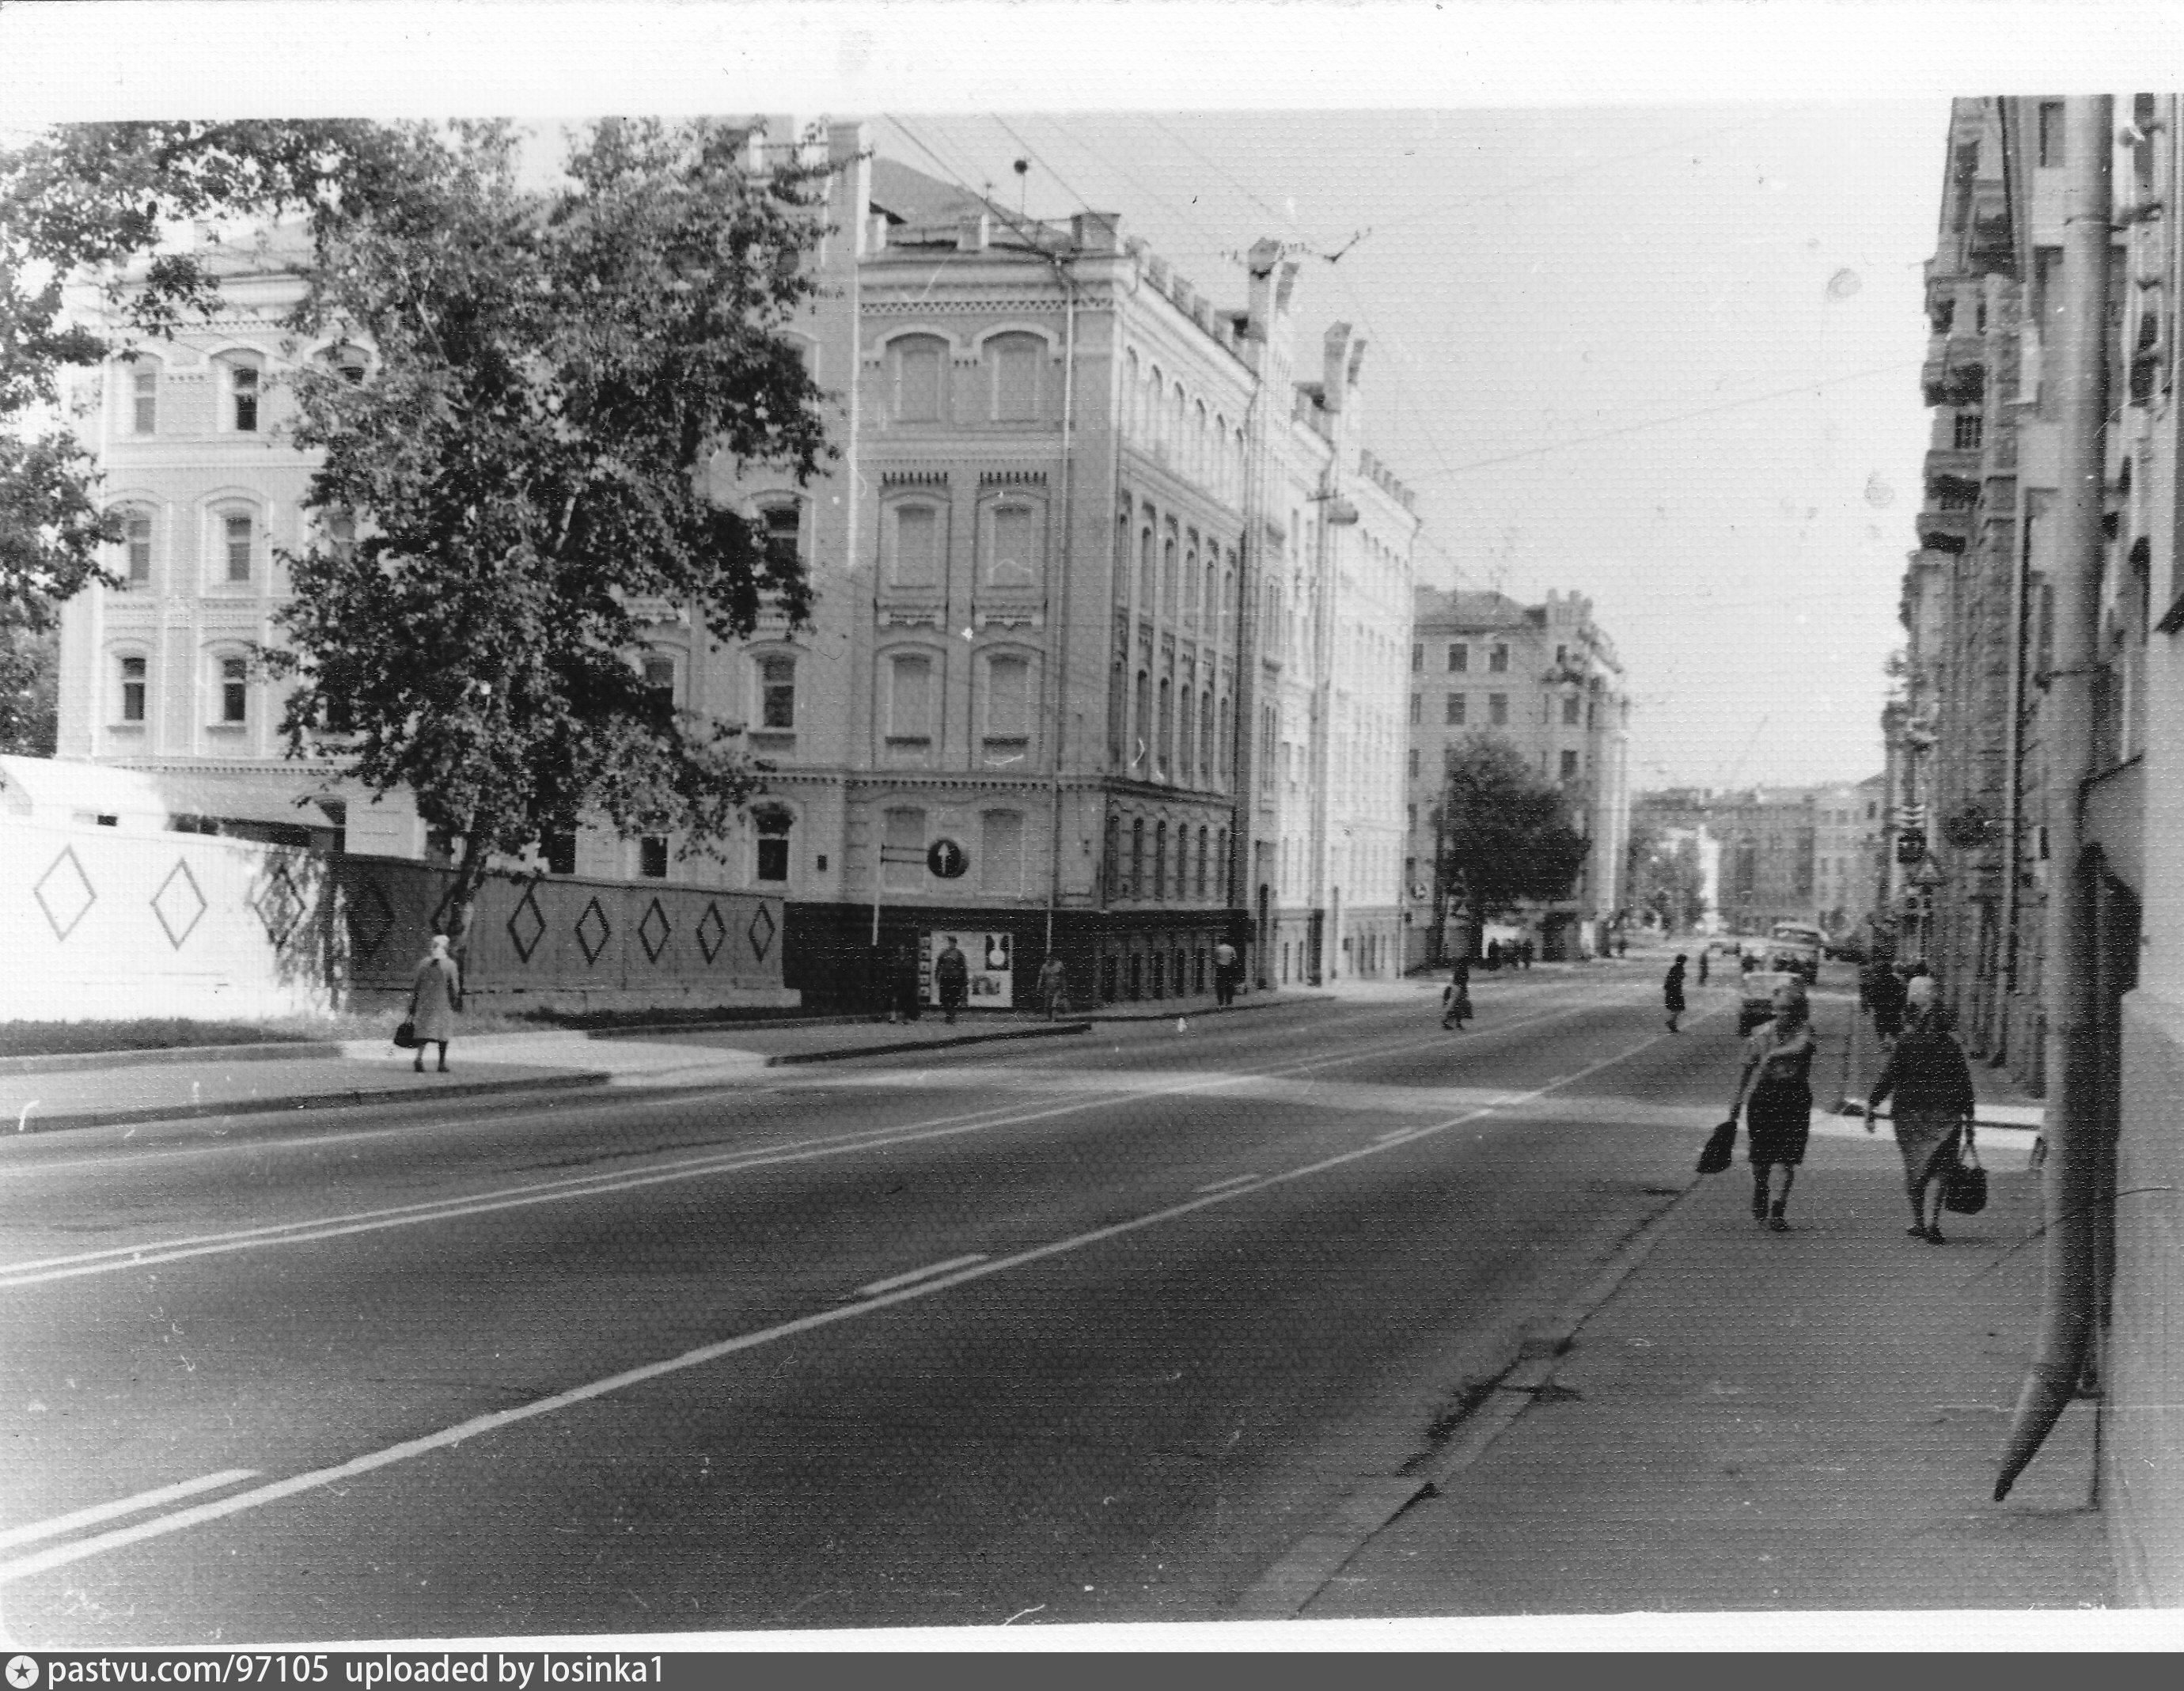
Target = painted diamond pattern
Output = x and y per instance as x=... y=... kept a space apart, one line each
x=593 y=930
x=760 y=932
x=279 y=905
x=653 y=933
x=65 y=892
x=178 y=904
x=527 y=923
x=711 y=931
x=370 y=920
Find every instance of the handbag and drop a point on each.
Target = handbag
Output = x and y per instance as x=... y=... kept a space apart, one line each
x=405 y=1035
x=1964 y=1187
x=1720 y=1145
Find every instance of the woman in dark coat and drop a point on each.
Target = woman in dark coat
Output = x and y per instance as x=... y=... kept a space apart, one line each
x=1933 y=1083
x=1455 y=996
x=434 y=998
x=1778 y=1066
x=1672 y=991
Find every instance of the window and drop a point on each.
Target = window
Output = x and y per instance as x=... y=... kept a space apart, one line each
x=242 y=388
x=652 y=857
x=1414 y=763
x=133 y=674
x=240 y=540
x=1459 y=657
x=2051 y=134
x=1000 y=855
x=774 y=824
x=1182 y=862
x=144 y=399
x=1013 y=553
x=1146 y=569
x=1187 y=742
x=341 y=536
x=902 y=849
x=1497 y=709
x=352 y=362
x=782 y=536
x=1569 y=766
x=660 y=685
x=1160 y=861
x=1016 y=362
x=137 y=546
x=1167 y=576
x=234 y=691
x=1497 y=660
x=1205 y=839
x=909 y=705
x=1454 y=709
x=560 y=854
x=1138 y=859
x=1968 y=431
x=1573 y=707
x=777 y=693
x=916 y=531
x=1163 y=732
x=920 y=364
x=1418 y=704
x=1418 y=659
x=1144 y=720
x=1206 y=738
x=1008 y=709
x=1113 y=858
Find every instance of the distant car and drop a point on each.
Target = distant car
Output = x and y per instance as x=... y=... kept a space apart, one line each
x=1847 y=951
x=1758 y=1004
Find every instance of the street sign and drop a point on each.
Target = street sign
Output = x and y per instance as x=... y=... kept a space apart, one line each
x=947 y=859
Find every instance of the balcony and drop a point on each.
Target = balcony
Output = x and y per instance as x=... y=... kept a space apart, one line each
x=1954 y=372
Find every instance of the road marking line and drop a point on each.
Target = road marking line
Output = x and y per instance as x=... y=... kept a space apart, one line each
x=123 y=1258
x=1223 y=1185
x=917 y=1274
x=1394 y=1133
x=128 y=1506
x=60 y=1555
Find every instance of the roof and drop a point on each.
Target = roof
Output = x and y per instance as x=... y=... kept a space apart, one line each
x=1467 y=609
x=903 y=195
x=59 y=789
x=55 y=789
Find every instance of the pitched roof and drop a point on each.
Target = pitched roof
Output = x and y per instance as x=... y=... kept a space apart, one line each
x=903 y=195
x=1469 y=610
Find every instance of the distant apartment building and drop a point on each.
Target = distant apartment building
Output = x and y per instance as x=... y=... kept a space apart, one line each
x=1847 y=833
x=1546 y=678
x=1106 y=653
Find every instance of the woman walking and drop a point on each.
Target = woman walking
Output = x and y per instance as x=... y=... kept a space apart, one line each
x=1672 y=991
x=1932 y=1084
x=1777 y=1074
x=434 y=1000
x=1455 y=996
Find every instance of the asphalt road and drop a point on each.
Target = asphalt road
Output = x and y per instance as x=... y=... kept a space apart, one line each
x=1091 y=1330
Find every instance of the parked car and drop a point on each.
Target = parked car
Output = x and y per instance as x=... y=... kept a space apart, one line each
x=1758 y=1004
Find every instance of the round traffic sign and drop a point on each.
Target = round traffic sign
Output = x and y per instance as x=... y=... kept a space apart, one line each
x=946 y=859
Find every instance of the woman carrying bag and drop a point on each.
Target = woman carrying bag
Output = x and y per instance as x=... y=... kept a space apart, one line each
x=434 y=1000
x=1778 y=1066
x=1932 y=1085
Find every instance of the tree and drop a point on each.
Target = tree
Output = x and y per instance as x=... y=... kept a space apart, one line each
x=554 y=375
x=92 y=196
x=1502 y=830
x=1666 y=876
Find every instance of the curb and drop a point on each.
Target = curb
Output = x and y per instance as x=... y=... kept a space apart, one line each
x=1524 y=1366
x=843 y=1053
x=75 y=1062
x=352 y=1097
x=1216 y=1010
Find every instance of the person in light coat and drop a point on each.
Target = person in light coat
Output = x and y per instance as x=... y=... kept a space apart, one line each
x=434 y=998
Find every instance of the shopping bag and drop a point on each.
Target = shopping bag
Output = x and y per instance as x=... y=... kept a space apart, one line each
x=1964 y=1187
x=405 y=1035
x=1720 y=1145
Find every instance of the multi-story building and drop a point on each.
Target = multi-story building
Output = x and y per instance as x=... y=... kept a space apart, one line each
x=1544 y=678
x=1086 y=531
x=1845 y=854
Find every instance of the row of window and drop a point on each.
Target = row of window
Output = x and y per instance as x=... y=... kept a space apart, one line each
x=234 y=549
x=1170 y=424
x=1184 y=581
x=228 y=687
x=1009 y=384
x=1144 y=863
x=241 y=381
x=997 y=857
x=1165 y=731
x=1459 y=657
x=911 y=717
x=915 y=545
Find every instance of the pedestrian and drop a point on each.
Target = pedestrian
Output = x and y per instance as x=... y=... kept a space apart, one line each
x=1053 y=986
x=1455 y=996
x=1704 y=953
x=1932 y=1084
x=1493 y=955
x=1777 y=1074
x=435 y=996
x=951 y=977
x=1224 y=973
x=1672 y=991
x=909 y=1000
x=1622 y=945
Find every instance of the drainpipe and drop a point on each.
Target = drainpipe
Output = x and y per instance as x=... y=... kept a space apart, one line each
x=1058 y=642
x=2071 y=1176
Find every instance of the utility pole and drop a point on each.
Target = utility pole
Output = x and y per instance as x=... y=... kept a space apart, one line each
x=2069 y=1179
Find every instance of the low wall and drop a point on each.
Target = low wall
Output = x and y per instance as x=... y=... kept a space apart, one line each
x=2143 y=1443
x=108 y=925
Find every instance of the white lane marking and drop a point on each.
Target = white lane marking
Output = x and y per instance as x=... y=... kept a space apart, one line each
x=917 y=1274
x=122 y=1258
x=1223 y=1185
x=60 y=1555
x=128 y=1506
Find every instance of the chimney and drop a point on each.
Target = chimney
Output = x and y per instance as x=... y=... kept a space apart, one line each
x=973 y=231
x=1096 y=231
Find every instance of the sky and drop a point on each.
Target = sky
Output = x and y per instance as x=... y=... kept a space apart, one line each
x=1642 y=283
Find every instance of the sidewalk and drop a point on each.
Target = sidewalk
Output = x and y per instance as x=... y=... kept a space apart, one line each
x=1751 y=1420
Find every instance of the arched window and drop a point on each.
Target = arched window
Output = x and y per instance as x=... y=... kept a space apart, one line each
x=1163 y=733
x=1137 y=858
x=776 y=692
x=910 y=707
x=352 y=362
x=1187 y=743
x=1202 y=856
x=1168 y=574
x=1160 y=861
x=1118 y=708
x=1188 y=590
x=144 y=396
x=780 y=536
x=1224 y=742
x=1209 y=587
x=131 y=680
x=1015 y=544
x=917 y=372
x=1017 y=363
x=1007 y=728
x=772 y=827
x=1145 y=603
x=1141 y=726
x=1132 y=419
x=1182 y=864
x=242 y=376
x=1206 y=769
x=1113 y=862
x=339 y=529
x=1200 y=452
x=235 y=534
x=1122 y=554
x=1221 y=864
x=134 y=565
x=915 y=535
x=231 y=705
x=1155 y=429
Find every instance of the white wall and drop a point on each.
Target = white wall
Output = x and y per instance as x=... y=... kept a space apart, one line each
x=82 y=908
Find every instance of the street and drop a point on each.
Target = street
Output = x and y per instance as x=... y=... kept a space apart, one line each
x=1088 y=1329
